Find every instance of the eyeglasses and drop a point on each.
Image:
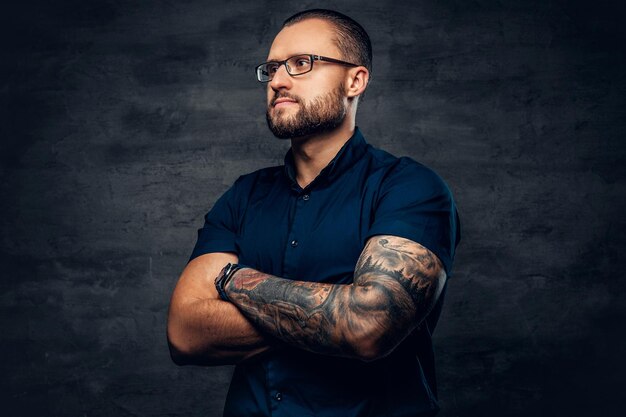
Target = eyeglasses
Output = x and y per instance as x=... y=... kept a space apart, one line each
x=296 y=65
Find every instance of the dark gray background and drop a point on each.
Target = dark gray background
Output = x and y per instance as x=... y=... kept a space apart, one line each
x=122 y=123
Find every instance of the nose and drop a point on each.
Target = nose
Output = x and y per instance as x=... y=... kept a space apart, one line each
x=281 y=79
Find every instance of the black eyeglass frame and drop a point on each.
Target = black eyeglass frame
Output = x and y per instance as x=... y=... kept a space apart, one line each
x=313 y=59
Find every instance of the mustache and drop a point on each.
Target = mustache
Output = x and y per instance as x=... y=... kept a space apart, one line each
x=284 y=95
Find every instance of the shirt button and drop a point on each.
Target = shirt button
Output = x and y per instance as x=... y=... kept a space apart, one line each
x=305 y=197
x=294 y=243
x=278 y=396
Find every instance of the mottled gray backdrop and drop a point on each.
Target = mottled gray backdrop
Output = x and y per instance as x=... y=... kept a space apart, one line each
x=123 y=122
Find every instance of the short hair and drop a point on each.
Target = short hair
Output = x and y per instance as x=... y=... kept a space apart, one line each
x=352 y=40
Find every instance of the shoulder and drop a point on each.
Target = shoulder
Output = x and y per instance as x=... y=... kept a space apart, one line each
x=413 y=202
x=405 y=174
x=252 y=179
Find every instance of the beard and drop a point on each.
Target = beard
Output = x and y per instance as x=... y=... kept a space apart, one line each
x=320 y=115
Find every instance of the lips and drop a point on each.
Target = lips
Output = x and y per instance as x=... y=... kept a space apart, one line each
x=283 y=101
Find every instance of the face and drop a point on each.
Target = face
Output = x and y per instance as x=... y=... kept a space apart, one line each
x=310 y=103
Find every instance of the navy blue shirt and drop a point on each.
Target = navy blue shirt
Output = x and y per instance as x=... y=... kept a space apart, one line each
x=316 y=234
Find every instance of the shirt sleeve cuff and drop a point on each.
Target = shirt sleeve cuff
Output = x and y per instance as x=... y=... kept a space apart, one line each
x=216 y=242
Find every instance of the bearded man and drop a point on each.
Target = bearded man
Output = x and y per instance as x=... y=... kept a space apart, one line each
x=322 y=279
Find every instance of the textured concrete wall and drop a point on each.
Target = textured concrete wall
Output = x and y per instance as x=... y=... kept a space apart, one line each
x=122 y=122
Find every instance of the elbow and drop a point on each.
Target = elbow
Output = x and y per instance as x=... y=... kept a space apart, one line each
x=179 y=353
x=186 y=354
x=183 y=352
x=369 y=355
x=178 y=357
x=179 y=350
x=180 y=343
x=371 y=352
x=372 y=346
x=377 y=338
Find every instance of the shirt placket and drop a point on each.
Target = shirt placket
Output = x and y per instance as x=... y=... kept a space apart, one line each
x=276 y=383
x=297 y=218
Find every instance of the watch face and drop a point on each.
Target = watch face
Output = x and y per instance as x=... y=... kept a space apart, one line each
x=223 y=274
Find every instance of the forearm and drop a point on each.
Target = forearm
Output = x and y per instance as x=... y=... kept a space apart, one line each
x=212 y=332
x=353 y=320
x=366 y=319
x=201 y=328
x=301 y=314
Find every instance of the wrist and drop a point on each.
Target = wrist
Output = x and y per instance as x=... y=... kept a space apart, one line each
x=224 y=278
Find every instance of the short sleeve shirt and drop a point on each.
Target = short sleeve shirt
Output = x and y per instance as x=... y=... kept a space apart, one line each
x=316 y=234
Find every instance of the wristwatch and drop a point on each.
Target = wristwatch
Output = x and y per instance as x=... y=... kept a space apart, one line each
x=222 y=280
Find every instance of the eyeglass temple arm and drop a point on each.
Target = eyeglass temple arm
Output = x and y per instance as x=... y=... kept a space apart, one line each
x=336 y=61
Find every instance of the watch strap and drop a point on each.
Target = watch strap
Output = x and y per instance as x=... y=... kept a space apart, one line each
x=222 y=280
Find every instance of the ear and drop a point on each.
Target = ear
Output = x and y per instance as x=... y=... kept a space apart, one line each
x=356 y=81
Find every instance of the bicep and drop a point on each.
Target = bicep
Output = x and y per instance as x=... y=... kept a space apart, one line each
x=402 y=273
x=396 y=284
x=197 y=279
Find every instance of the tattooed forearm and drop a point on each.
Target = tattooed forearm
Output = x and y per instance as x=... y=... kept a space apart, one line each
x=396 y=283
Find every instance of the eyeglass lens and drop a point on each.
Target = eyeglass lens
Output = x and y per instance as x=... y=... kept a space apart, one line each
x=296 y=65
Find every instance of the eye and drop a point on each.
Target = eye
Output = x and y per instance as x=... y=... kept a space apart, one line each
x=272 y=68
x=302 y=62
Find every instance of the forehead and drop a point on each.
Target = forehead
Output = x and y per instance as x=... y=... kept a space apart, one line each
x=312 y=36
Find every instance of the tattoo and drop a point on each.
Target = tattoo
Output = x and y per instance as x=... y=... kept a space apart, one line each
x=396 y=283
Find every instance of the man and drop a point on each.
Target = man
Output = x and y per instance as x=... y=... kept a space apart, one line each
x=322 y=278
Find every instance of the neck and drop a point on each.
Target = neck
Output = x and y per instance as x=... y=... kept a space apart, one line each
x=312 y=153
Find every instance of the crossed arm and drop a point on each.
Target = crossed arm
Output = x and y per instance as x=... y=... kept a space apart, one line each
x=396 y=283
x=201 y=328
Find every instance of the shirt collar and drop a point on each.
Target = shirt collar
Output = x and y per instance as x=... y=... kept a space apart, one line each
x=350 y=152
